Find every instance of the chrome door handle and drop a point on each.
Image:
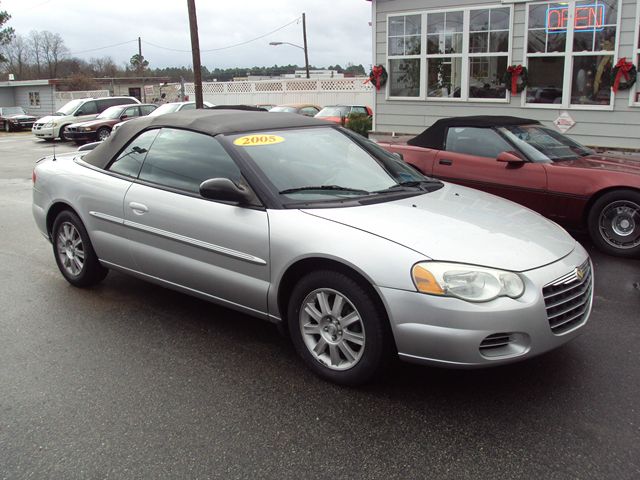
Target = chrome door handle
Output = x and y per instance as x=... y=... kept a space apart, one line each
x=138 y=208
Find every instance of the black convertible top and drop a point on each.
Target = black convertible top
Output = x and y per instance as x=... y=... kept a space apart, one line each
x=435 y=135
x=207 y=121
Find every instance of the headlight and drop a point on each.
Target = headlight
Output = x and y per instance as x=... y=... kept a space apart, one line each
x=467 y=282
x=86 y=129
x=48 y=124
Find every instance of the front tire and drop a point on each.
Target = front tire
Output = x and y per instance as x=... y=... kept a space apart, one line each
x=102 y=134
x=61 y=135
x=614 y=223
x=7 y=127
x=338 y=327
x=74 y=253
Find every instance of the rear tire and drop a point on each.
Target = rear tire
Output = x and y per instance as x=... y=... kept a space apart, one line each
x=614 y=223
x=74 y=253
x=338 y=328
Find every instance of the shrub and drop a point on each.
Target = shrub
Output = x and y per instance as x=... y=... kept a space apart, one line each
x=359 y=123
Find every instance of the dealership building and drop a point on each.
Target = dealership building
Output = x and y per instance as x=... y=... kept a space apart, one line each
x=449 y=59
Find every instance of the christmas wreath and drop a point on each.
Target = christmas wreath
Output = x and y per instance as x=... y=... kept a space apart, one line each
x=516 y=78
x=623 y=75
x=378 y=76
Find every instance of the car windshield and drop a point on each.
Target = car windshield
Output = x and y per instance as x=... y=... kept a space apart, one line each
x=111 y=113
x=283 y=109
x=12 y=111
x=166 y=108
x=319 y=164
x=542 y=144
x=333 y=112
x=70 y=107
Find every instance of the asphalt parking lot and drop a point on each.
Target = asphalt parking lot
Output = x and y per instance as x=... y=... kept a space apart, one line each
x=130 y=380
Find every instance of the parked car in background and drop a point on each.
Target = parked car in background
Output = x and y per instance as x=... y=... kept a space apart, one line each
x=80 y=110
x=171 y=108
x=340 y=113
x=540 y=168
x=100 y=128
x=309 y=225
x=306 y=109
x=15 y=118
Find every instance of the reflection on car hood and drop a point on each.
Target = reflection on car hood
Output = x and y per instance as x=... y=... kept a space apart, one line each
x=48 y=118
x=20 y=116
x=93 y=123
x=460 y=224
x=611 y=162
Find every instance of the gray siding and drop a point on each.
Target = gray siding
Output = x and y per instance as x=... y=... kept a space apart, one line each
x=47 y=103
x=617 y=128
x=6 y=97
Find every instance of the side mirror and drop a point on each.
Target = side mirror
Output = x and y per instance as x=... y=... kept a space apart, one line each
x=510 y=158
x=399 y=155
x=226 y=190
x=78 y=113
x=124 y=117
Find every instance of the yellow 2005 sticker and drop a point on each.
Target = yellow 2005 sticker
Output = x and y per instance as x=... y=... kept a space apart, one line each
x=256 y=140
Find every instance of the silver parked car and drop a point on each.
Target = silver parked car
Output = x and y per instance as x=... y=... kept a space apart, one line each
x=310 y=226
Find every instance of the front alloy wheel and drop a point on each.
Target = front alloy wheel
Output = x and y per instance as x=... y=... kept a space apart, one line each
x=332 y=329
x=614 y=223
x=339 y=327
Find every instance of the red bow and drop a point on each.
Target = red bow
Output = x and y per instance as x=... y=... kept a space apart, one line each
x=377 y=73
x=623 y=69
x=515 y=73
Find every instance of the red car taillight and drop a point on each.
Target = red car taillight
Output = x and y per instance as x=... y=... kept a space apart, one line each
x=33 y=176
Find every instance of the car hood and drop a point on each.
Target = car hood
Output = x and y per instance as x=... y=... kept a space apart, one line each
x=95 y=123
x=460 y=224
x=20 y=116
x=611 y=162
x=49 y=118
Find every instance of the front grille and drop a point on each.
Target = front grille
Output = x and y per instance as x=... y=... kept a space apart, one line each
x=71 y=129
x=495 y=341
x=567 y=299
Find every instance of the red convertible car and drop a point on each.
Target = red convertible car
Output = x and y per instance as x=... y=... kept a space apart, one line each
x=536 y=166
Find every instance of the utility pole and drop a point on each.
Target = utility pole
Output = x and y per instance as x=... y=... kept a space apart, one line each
x=144 y=94
x=304 y=36
x=195 y=52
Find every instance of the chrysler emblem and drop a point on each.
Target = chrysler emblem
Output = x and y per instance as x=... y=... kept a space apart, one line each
x=579 y=273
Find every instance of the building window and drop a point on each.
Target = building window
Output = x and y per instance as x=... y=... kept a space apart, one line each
x=571 y=49
x=404 y=48
x=465 y=53
x=34 y=99
x=634 y=95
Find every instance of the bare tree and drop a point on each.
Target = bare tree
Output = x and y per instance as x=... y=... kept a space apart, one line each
x=53 y=51
x=17 y=54
x=35 y=45
x=104 y=67
x=6 y=34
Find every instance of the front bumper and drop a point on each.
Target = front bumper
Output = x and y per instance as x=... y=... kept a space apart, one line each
x=80 y=136
x=44 y=132
x=453 y=333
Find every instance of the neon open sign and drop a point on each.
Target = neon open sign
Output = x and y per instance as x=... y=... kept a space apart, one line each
x=589 y=18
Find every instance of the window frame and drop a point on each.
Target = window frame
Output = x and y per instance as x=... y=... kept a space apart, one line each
x=465 y=55
x=34 y=99
x=568 y=55
x=634 y=92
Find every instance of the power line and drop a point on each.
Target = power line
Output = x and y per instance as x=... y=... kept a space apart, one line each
x=229 y=46
x=103 y=48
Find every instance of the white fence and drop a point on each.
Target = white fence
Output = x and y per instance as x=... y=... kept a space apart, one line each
x=63 y=97
x=321 y=92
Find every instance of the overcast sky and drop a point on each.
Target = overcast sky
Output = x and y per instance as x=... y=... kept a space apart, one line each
x=338 y=31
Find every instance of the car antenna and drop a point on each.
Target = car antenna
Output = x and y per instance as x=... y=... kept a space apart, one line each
x=53 y=110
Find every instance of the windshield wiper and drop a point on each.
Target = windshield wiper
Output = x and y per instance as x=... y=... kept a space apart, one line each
x=333 y=188
x=412 y=184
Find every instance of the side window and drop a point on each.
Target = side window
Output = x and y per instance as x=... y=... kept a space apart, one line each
x=132 y=112
x=183 y=160
x=309 y=111
x=147 y=109
x=482 y=142
x=88 y=108
x=130 y=159
x=359 y=110
x=188 y=106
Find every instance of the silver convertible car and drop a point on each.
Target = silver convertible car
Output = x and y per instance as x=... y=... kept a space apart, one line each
x=310 y=226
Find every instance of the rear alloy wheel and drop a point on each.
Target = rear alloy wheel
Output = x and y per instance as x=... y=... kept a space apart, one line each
x=74 y=253
x=103 y=133
x=337 y=327
x=614 y=223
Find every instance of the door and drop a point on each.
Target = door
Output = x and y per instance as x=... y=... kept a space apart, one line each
x=469 y=159
x=135 y=92
x=86 y=111
x=219 y=249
